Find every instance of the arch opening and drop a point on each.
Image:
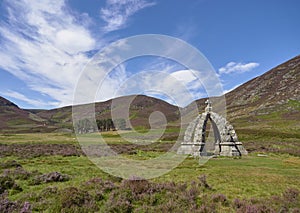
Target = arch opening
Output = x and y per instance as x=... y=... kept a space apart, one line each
x=210 y=137
x=210 y=134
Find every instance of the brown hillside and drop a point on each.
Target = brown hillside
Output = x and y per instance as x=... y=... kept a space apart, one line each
x=141 y=108
x=265 y=111
x=12 y=118
x=276 y=90
x=271 y=100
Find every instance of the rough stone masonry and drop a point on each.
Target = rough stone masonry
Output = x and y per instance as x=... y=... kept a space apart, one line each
x=226 y=140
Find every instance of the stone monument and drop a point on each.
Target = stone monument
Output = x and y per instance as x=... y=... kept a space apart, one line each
x=226 y=140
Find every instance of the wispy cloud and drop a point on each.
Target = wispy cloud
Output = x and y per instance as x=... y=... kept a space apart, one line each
x=46 y=44
x=234 y=67
x=164 y=80
x=117 y=12
x=43 y=44
x=159 y=84
x=33 y=102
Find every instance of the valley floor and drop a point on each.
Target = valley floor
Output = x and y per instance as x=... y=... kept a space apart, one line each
x=50 y=173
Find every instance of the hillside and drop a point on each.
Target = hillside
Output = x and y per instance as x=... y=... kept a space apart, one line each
x=14 y=119
x=266 y=109
x=278 y=90
x=264 y=106
x=9 y=112
x=141 y=108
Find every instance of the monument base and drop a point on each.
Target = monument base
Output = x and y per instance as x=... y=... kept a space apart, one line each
x=229 y=149
x=232 y=149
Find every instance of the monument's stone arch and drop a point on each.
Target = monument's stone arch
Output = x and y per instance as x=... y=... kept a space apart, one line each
x=226 y=140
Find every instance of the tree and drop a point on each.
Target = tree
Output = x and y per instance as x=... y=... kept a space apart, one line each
x=105 y=124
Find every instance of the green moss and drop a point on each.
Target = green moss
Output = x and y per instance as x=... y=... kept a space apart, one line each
x=272 y=115
x=133 y=115
x=19 y=122
x=294 y=103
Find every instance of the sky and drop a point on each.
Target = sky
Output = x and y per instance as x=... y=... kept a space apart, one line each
x=46 y=45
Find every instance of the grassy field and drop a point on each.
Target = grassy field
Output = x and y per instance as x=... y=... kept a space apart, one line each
x=65 y=180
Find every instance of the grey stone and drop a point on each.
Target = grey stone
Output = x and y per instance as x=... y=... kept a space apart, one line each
x=226 y=140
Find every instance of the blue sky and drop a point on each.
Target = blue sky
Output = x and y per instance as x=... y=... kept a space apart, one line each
x=44 y=45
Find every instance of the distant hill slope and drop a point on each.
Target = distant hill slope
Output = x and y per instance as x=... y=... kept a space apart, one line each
x=14 y=119
x=6 y=103
x=140 y=109
x=267 y=108
x=264 y=105
x=11 y=113
x=278 y=90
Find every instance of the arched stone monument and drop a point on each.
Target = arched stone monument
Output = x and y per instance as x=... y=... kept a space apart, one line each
x=226 y=140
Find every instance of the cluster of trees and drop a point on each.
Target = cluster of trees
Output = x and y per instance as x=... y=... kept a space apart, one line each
x=105 y=125
x=86 y=126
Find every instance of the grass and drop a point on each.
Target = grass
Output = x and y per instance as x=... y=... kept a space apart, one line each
x=271 y=132
x=295 y=104
x=248 y=178
x=251 y=176
x=38 y=138
x=80 y=169
x=19 y=122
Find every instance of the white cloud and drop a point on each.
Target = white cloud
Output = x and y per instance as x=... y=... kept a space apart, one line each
x=74 y=40
x=157 y=84
x=179 y=87
x=33 y=102
x=184 y=76
x=44 y=43
x=117 y=12
x=233 y=67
